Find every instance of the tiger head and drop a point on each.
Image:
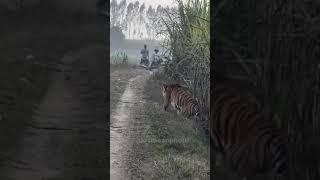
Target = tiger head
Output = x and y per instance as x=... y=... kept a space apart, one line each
x=164 y=89
x=167 y=88
x=166 y=93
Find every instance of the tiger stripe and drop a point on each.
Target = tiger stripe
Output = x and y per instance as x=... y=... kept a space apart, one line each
x=181 y=99
x=250 y=143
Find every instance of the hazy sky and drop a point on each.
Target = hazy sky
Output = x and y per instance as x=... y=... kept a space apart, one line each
x=154 y=3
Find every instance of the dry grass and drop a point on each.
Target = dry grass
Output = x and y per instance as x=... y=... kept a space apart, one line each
x=175 y=151
x=188 y=43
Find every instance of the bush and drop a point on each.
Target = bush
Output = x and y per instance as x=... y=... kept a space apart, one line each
x=120 y=58
x=188 y=45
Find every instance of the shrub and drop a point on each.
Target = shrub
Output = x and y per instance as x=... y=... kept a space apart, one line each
x=187 y=32
x=119 y=58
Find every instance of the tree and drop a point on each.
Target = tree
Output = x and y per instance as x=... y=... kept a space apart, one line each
x=116 y=34
x=122 y=8
x=113 y=12
x=129 y=17
x=142 y=8
x=141 y=17
x=150 y=17
x=159 y=9
x=136 y=7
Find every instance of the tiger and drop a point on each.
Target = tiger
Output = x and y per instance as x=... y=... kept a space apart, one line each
x=242 y=137
x=181 y=100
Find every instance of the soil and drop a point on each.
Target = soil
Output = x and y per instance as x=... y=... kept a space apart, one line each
x=121 y=119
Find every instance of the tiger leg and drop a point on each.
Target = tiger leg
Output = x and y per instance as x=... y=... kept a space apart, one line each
x=177 y=111
x=166 y=105
x=177 y=108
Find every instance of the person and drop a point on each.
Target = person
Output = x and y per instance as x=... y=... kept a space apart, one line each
x=155 y=58
x=145 y=55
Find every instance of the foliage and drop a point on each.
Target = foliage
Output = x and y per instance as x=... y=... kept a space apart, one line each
x=274 y=45
x=119 y=58
x=188 y=33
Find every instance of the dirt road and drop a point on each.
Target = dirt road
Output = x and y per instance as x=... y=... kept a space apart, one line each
x=121 y=124
x=66 y=138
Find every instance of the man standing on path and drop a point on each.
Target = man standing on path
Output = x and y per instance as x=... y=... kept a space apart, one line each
x=145 y=55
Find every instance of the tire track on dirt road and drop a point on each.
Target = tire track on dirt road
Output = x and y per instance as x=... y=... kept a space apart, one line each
x=66 y=138
x=121 y=129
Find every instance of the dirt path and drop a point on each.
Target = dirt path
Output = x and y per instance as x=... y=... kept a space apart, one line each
x=69 y=123
x=120 y=126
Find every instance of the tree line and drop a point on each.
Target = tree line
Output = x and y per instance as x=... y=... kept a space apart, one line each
x=136 y=19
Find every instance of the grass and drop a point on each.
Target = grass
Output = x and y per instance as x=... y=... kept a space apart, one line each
x=188 y=45
x=175 y=151
x=122 y=59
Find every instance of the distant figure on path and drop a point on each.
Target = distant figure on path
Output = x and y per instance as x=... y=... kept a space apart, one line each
x=155 y=58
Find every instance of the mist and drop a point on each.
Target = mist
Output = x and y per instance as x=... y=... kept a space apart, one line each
x=135 y=23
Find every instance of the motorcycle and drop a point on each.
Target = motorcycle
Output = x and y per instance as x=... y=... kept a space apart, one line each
x=156 y=63
x=144 y=63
